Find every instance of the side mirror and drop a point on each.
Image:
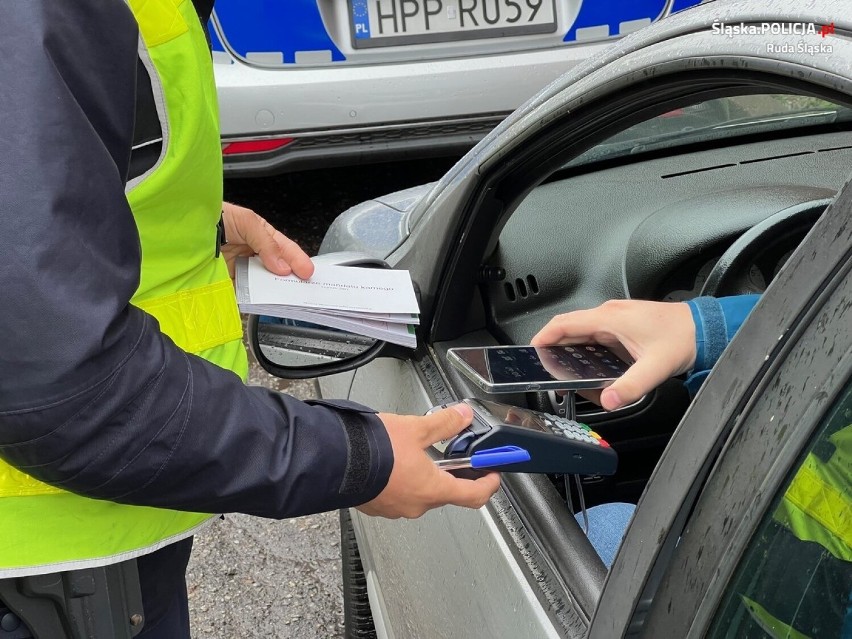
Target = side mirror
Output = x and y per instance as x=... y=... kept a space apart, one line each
x=295 y=350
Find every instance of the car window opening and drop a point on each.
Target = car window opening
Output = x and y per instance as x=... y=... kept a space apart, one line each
x=796 y=124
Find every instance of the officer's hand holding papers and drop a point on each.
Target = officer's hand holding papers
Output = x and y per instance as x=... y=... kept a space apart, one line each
x=378 y=303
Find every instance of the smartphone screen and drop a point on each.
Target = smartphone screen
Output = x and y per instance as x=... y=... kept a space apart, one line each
x=517 y=368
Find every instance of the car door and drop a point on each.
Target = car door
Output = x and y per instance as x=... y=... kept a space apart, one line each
x=779 y=396
x=521 y=566
x=780 y=392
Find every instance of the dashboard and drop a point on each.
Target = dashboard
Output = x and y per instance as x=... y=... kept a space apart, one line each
x=719 y=221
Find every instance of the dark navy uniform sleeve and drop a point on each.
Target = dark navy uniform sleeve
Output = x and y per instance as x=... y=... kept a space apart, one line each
x=716 y=320
x=93 y=397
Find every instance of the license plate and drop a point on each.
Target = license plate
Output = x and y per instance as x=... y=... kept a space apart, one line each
x=380 y=23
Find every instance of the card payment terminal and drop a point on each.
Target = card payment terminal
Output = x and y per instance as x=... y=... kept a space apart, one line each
x=554 y=444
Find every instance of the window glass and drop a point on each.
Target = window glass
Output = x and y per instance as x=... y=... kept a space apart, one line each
x=721 y=118
x=795 y=578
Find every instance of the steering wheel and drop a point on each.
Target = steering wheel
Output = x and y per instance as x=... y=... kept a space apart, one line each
x=730 y=269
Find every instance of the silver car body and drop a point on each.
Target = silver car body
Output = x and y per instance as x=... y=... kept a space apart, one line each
x=458 y=573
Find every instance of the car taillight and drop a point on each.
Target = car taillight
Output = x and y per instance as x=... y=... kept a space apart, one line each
x=254 y=146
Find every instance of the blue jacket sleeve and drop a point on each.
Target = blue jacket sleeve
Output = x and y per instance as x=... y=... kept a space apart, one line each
x=93 y=397
x=717 y=320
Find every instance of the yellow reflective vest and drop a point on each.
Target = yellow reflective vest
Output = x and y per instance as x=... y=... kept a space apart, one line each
x=176 y=205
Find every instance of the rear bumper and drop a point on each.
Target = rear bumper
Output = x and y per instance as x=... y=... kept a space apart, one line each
x=345 y=114
x=344 y=147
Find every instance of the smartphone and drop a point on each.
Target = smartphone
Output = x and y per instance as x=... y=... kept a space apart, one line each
x=511 y=369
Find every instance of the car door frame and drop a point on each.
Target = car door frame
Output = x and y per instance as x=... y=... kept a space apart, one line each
x=453 y=236
x=750 y=415
x=507 y=181
x=561 y=564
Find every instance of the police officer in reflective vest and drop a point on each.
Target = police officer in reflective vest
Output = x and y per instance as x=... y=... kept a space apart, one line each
x=124 y=421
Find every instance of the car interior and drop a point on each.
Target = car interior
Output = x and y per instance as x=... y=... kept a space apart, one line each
x=706 y=194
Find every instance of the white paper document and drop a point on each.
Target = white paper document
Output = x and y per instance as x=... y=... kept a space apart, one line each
x=343 y=288
x=393 y=318
x=376 y=302
x=402 y=334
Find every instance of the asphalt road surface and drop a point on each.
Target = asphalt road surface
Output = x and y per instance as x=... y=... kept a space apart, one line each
x=255 y=578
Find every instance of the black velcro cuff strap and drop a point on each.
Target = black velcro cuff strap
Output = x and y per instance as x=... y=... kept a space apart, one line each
x=360 y=472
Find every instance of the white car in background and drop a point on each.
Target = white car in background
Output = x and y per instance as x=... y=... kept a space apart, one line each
x=315 y=83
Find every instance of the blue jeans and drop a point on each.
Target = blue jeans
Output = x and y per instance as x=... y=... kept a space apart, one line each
x=607 y=523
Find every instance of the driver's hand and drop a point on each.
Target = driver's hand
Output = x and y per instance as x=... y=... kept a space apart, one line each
x=659 y=336
x=416 y=485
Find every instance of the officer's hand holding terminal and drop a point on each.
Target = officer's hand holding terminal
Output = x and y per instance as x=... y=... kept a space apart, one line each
x=416 y=484
x=658 y=336
x=248 y=234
